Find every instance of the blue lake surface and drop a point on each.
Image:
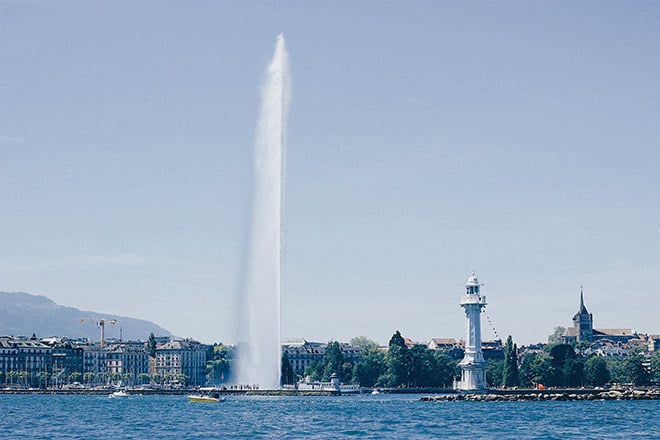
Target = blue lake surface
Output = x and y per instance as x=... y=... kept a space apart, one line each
x=367 y=416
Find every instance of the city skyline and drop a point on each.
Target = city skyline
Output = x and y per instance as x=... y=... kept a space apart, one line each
x=426 y=142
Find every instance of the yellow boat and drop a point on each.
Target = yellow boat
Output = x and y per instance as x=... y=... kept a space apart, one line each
x=206 y=398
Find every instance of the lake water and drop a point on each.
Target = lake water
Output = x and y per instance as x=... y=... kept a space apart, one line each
x=367 y=416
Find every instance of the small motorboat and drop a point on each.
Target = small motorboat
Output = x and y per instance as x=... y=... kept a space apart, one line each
x=215 y=397
x=120 y=393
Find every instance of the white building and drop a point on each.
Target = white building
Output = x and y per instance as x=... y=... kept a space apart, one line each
x=473 y=365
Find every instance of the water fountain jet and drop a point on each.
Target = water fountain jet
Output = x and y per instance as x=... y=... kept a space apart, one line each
x=259 y=356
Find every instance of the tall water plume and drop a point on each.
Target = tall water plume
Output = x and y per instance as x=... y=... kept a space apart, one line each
x=259 y=351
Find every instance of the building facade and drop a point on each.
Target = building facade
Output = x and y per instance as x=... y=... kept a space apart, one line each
x=182 y=357
x=302 y=354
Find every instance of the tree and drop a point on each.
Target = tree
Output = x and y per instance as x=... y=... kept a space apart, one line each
x=75 y=376
x=655 y=367
x=446 y=369
x=494 y=370
x=510 y=368
x=422 y=367
x=287 y=373
x=143 y=378
x=333 y=359
x=567 y=369
x=398 y=361
x=633 y=369
x=364 y=343
x=556 y=336
x=537 y=368
x=219 y=364
x=332 y=362
x=371 y=367
x=573 y=372
x=596 y=372
x=151 y=345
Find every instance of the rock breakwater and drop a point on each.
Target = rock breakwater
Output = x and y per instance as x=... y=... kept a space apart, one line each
x=549 y=395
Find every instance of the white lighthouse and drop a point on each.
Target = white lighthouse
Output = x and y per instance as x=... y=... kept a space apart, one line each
x=473 y=365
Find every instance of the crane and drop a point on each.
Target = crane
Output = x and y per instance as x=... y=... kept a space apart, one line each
x=101 y=323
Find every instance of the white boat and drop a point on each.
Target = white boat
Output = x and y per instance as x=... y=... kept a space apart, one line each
x=205 y=398
x=120 y=393
x=333 y=385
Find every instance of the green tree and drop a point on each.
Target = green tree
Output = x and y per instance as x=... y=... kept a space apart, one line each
x=364 y=343
x=151 y=345
x=573 y=372
x=596 y=372
x=287 y=375
x=634 y=371
x=423 y=367
x=494 y=373
x=556 y=336
x=567 y=369
x=75 y=376
x=143 y=378
x=371 y=367
x=446 y=369
x=537 y=368
x=398 y=361
x=43 y=376
x=655 y=367
x=332 y=362
x=127 y=378
x=219 y=365
x=510 y=368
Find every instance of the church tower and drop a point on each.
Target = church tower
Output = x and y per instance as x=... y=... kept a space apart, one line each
x=473 y=365
x=583 y=322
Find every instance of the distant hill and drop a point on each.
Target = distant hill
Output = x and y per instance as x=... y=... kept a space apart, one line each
x=22 y=314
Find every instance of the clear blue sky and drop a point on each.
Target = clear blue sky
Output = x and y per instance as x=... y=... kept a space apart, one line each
x=427 y=140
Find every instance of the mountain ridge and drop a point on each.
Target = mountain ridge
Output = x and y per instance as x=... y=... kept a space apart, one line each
x=24 y=314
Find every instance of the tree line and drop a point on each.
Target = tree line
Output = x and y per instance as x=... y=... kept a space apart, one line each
x=399 y=366
x=555 y=365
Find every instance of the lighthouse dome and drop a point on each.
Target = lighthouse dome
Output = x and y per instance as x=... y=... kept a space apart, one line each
x=472 y=281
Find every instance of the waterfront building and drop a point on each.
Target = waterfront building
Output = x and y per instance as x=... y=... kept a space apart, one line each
x=25 y=361
x=452 y=347
x=67 y=358
x=183 y=357
x=302 y=353
x=444 y=344
x=473 y=365
x=493 y=350
x=129 y=359
x=94 y=359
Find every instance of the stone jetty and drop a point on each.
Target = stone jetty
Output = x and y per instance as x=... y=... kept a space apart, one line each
x=549 y=395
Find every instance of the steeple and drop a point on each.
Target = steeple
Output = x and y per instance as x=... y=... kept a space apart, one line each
x=583 y=321
x=583 y=309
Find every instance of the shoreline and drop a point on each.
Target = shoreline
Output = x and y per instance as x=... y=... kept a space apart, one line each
x=180 y=392
x=494 y=395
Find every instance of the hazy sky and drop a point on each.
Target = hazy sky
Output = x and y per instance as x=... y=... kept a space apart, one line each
x=427 y=140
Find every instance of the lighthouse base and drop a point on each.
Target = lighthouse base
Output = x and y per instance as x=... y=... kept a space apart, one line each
x=473 y=377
